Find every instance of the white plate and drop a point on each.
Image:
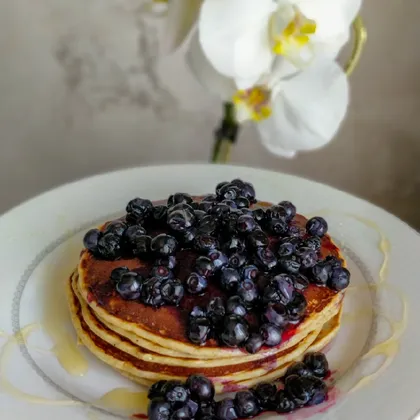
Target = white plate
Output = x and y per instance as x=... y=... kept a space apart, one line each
x=39 y=245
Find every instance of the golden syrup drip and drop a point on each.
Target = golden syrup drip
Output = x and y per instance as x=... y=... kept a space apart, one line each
x=5 y=354
x=55 y=319
x=125 y=399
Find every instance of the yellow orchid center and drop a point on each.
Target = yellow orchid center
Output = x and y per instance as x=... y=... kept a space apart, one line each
x=255 y=101
x=294 y=36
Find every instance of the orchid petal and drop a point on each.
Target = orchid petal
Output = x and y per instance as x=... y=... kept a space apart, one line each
x=182 y=15
x=332 y=17
x=206 y=74
x=307 y=111
x=234 y=36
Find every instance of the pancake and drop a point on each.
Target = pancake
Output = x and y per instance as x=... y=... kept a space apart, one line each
x=143 y=361
x=166 y=327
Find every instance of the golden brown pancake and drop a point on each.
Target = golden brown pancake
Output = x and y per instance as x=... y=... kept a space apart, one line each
x=166 y=326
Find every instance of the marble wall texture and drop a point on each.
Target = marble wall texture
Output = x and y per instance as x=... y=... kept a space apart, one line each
x=83 y=90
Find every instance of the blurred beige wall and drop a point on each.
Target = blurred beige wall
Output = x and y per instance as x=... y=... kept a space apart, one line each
x=82 y=91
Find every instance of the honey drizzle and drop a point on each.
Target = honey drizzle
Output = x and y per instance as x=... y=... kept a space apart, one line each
x=55 y=318
x=5 y=354
x=124 y=399
x=389 y=347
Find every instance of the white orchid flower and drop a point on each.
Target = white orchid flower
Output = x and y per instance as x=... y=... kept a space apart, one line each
x=242 y=38
x=298 y=112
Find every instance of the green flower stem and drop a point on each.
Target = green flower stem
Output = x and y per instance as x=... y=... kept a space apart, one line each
x=225 y=136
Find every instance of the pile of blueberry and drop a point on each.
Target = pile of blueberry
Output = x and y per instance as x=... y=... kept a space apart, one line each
x=303 y=386
x=259 y=259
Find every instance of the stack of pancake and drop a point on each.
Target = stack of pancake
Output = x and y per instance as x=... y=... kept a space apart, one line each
x=147 y=344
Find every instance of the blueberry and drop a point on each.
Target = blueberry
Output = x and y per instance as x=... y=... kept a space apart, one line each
x=216 y=311
x=196 y=284
x=159 y=214
x=248 y=191
x=206 y=206
x=200 y=215
x=246 y=224
x=225 y=410
x=299 y=388
x=321 y=273
x=247 y=212
x=266 y=392
x=258 y=239
x=295 y=231
x=179 y=198
x=319 y=391
x=248 y=292
x=242 y=202
x=275 y=314
x=151 y=292
x=181 y=220
x=313 y=242
x=208 y=225
x=142 y=245
x=235 y=331
x=219 y=210
x=297 y=307
x=233 y=244
x=161 y=272
x=283 y=284
x=232 y=204
x=183 y=413
x=159 y=409
x=277 y=212
x=259 y=215
x=229 y=279
x=116 y=227
x=317 y=226
x=164 y=245
x=133 y=233
x=299 y=369
x=308 y=257
x=228 y=223
x=201 y=388
x=116 y=274
x=265 y=258
x=283 y=402
x=229 y=192
x=218 y=259
x=278 y=227
x=90 y=240
x=130 y=285
x=333 y=261
x=220 y=185
x=176 y=394
x=300 y=282
x=317 y=363
x=235 y=306
x=198 y=330
x=271 y=334
x=286 y=249
x=270 y=294
x=156 y=390
x=172 y=291
x=193 y=406
x=254 y=343
x=210 y=197
x=139 y=209
x=291 y=264
x=207 y=410
x=169 y=262
x=203 y=266
x=109 y=246
x=249 y=272
x=204 y=243
x=237 y=260
x=246 y=404
x=290 y=209
x=339 y=279
x=198 y=312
